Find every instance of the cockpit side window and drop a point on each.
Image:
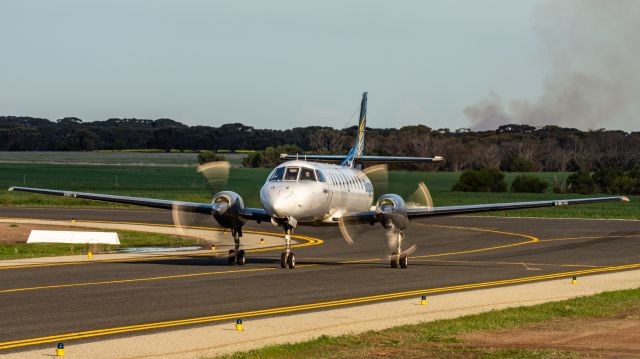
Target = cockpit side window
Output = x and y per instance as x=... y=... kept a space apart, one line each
x=307 y=174
x=277 y=174
x=321 y=176
x=291 y=174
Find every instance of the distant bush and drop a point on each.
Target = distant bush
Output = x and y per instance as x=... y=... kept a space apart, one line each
x=529 y=183
x=209 y=156
x=581 y=182
x=482 y=180
x=517 y=164
x=270 y=157
x=614 y=181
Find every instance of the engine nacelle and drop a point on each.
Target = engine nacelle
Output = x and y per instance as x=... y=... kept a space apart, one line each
x=230 y=206
x=391 y=212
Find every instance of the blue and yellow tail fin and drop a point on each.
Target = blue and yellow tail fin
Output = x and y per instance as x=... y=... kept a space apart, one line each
x=358 y=148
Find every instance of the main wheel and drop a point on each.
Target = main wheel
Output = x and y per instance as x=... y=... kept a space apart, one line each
x=394 y=260
x=291 y=260
x=241 y=259
x=232 y=256
x=283 y=260
x=404 y=261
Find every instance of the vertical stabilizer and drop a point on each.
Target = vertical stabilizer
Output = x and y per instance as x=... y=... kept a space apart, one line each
x=358 y=148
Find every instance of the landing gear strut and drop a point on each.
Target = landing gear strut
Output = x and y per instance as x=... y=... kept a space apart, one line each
x=237 y=255
x=287 y=258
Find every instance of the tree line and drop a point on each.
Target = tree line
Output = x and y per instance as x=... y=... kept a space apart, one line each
x=509 y=147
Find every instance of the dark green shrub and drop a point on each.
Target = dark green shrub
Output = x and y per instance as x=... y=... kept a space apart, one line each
x=482 y=180
x=517 y=164
x=209 y=156
x=529 y=183
x=606 y=179
x=581 y=182
x=270 y=157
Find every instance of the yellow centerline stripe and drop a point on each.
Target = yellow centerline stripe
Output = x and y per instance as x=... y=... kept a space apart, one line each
x=589 y=237
x=532 y=239
x=509 y=263
x=295 y=308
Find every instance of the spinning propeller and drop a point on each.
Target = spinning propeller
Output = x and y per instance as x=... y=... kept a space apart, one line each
x=217 y=176
x=390 y=211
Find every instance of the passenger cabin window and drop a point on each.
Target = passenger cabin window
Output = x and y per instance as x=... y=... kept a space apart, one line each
x=291 y=174
x=307 y=174
x=277 y=174
x=321 y=176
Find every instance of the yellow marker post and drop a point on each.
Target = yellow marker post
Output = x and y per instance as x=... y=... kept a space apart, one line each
x=89 y=254
x=423 y=300
x=574 y=280
x=239 y=325
x=60 y=350
x=261 y=240
x=213 y=247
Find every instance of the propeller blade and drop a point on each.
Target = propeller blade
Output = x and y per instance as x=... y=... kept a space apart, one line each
x=181 y=218
x=216 y=174
x=351 y=229
x=421 y=197
x=379 y=177
x=404 y=253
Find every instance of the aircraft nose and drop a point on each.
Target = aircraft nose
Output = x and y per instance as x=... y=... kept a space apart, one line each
x=279 y=201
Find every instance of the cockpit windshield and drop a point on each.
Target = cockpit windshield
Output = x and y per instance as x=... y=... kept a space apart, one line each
x=291 y=174
x=277 y=174
x=307 y=174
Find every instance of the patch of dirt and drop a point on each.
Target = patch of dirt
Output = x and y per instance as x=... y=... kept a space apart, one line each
x=19 y=233
x=617 y=337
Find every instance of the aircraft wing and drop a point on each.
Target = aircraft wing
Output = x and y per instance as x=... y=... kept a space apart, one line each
x=421 y=212
x=363 y=159
x=204 y=208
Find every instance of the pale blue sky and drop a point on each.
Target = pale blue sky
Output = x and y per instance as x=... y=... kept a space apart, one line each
x=269 y=64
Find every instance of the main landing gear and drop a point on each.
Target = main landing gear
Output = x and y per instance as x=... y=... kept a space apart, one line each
x=287 y=258
x=237 y=255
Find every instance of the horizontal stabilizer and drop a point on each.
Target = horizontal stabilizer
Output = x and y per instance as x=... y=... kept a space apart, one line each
x=363 y=159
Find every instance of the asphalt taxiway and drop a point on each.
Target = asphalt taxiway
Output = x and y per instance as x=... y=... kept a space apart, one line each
x=93 y=300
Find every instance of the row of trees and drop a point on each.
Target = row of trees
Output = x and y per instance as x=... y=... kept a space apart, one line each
x=510 y=147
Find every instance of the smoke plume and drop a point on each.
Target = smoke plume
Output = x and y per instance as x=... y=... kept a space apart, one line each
x=593 y=80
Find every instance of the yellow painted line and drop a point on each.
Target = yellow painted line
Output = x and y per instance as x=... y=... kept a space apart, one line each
x=309 y=241
x=531 y=240
x=508 y=263
x=589 y=237
x=200 y=274
x=297 y=308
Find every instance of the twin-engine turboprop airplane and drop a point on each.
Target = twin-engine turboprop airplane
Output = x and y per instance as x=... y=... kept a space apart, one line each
x=309 y=190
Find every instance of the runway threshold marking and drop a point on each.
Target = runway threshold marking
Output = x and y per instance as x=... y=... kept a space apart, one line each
x=297 y=308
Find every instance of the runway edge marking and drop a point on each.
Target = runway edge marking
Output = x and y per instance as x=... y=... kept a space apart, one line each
x=302 y=307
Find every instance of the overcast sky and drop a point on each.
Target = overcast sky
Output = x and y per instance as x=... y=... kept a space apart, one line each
x=269 y=64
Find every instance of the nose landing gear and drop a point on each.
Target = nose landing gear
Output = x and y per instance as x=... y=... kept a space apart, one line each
x=288 y=258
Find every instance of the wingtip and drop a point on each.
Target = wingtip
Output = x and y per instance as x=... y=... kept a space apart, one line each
x=625 y=199
x=10 y=189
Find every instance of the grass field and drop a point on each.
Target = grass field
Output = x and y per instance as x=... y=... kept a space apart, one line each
x=440 y=339
x=136 y=158
x=183 y=183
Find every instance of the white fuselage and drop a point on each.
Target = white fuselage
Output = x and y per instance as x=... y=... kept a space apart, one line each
x=315 y=193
